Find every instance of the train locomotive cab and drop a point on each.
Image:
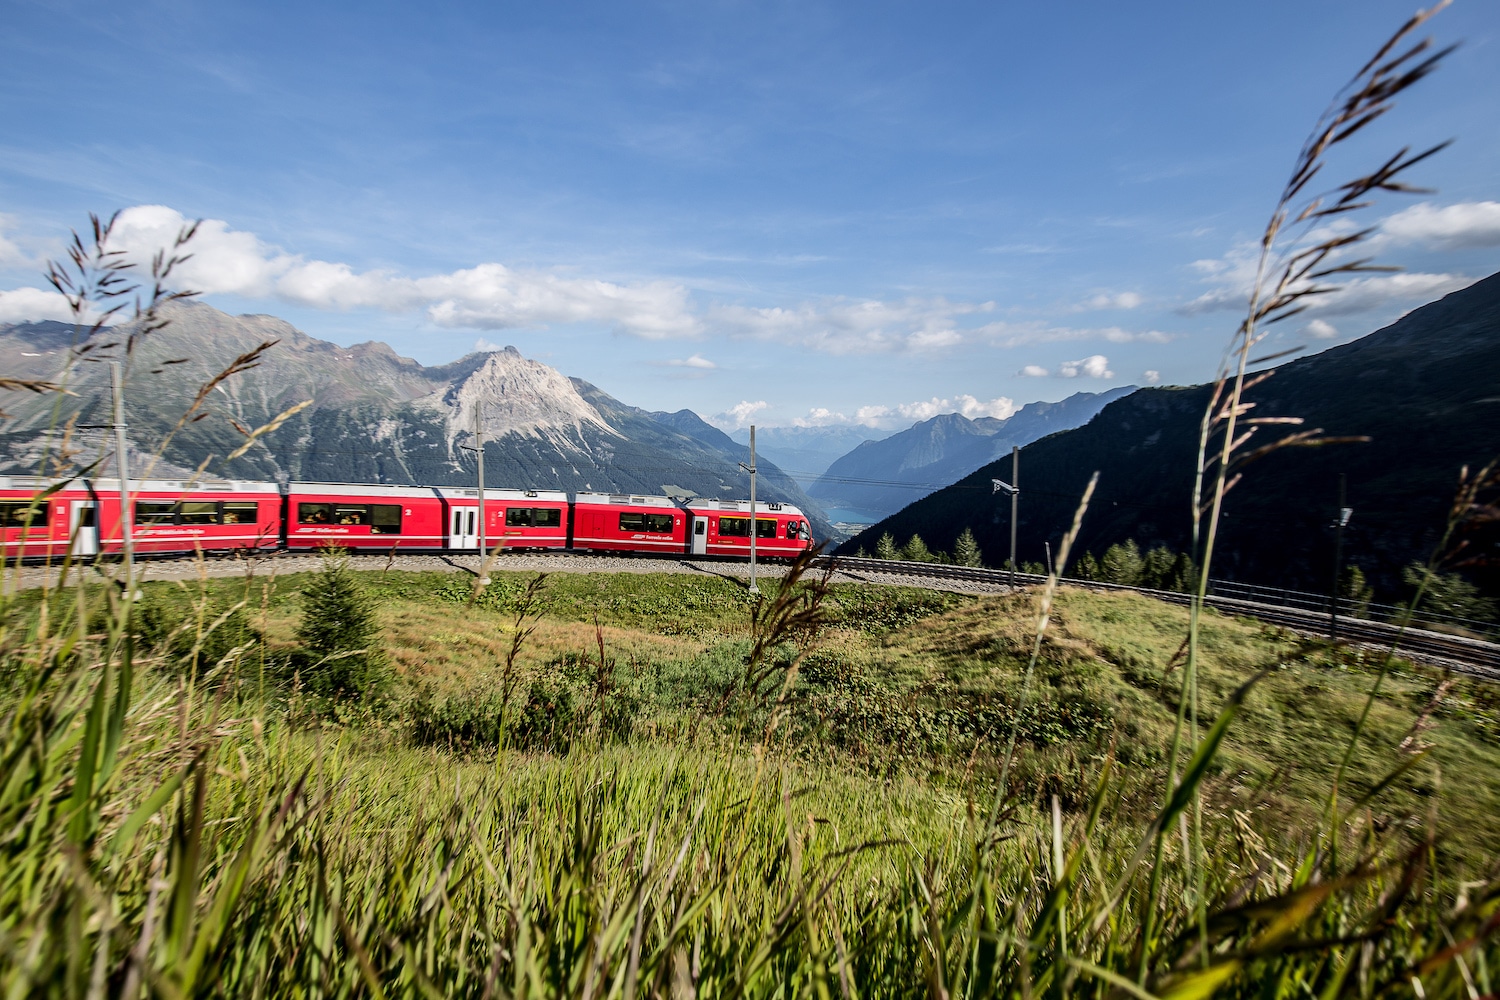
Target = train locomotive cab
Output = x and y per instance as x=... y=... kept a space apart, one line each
x=620 y=522
x=722 y=528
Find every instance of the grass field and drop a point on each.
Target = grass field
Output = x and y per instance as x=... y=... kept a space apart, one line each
x=637 y=820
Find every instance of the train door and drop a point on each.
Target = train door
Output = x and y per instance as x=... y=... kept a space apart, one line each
x=700 y=536
x=465 y=525
x=83 y=527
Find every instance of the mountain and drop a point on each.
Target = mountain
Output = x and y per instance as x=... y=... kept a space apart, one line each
x=805 y=453
x=1425 y=389
x=881 y=477
x=374 y=416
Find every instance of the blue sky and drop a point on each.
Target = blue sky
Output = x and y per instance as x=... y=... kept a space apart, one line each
x=781 y=212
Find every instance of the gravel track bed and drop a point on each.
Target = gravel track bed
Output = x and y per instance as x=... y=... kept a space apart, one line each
x=540 y=562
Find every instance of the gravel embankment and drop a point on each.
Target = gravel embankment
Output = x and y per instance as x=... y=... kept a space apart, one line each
x=283 y=564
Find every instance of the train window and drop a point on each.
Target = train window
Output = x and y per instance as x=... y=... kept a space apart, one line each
x=23 y=513
x=734 y=527
x=765 y=527
x=155 y=512
x=351 y=514
x=315 y=513
x=659 y=522
x=241 y=512
x=794 y=529
x=632 y=521
x=518 y=517
x=385 y=519
x=198 y=512
x=699 y=526
x=546 y=517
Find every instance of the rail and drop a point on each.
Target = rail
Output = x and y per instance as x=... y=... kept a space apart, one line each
x=1471 y=655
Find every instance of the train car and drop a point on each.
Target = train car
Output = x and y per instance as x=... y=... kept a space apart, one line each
x=620 y=522
x=526 y=519
x=180 y=516
x=36 y=523
x=722 y=528
x=362 y=518
x=169 y=517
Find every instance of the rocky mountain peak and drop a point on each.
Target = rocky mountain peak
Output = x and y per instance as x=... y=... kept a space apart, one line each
x=522 y=397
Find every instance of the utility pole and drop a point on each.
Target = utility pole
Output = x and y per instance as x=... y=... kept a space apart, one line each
x=1338 y=556
x=1015 y=495
x=753 y=528
x=127 y=523
x=1014 y=489
x=479 y=443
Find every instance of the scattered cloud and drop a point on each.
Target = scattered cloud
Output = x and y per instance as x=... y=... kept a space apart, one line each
x=844 y=326
x=821 y=416
x=1320 y=329
x=488 y=296
x=695 y=361
x=1465 y=226
x=21 y=305
x=1009 y=334
x=1093 y=366
x=1151 y=376
x=738 y=415
x=1107 y=300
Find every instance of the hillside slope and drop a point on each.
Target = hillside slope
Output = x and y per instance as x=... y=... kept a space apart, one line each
x=1426 y=389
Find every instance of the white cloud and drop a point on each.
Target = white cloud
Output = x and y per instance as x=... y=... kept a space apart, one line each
x=1371 y=293
x=1008 y=334
x=739 y=415
x=821 y=416
x=843 y=326
x=21 y=305
x=1321 y=330
x=1105 y=300
x=1465 y=226
x=10 y=254
x=695 y=361
x=1093 y=366
x=1151 y=376
x=488 y=296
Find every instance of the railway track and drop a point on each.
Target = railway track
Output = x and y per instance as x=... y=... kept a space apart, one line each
x=1477 y=657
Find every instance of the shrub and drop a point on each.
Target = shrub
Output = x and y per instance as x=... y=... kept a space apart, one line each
x=339 y=635
x=192 y=633
x=916 y=550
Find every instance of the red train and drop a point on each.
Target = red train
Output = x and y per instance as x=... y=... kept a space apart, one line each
x=39 y=519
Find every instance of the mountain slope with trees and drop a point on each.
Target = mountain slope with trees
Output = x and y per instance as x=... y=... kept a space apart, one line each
x=1425 y=390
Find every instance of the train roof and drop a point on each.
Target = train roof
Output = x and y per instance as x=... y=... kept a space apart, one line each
x=460 y=493
x=627 y=499
x=360 y=490
x=141 y=485
x=761 y=506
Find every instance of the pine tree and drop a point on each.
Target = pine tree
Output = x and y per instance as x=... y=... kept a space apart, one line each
x=339 y=634
x=1184 y=577
x=886 y=547
x=1356 y=592
x=1122 y=564
x=1156 y=568
x=966 y=550
x=915 y=550
x=1087 y=567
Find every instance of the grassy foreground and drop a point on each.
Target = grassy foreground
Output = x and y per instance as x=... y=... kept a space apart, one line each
x=179 y=817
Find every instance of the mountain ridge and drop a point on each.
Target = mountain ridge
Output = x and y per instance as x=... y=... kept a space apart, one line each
x=376 y=417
